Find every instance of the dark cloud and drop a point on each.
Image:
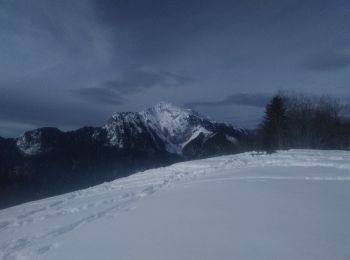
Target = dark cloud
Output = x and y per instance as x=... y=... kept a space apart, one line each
x=328 y=60
x=64 y=56
x=99 y=95
x=162 y=28
x=24 y=111
x=243 y=99
x=288 y=9
x=129 y=82
x=137 y=80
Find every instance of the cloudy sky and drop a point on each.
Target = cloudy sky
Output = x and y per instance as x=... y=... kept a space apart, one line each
x=73 y=63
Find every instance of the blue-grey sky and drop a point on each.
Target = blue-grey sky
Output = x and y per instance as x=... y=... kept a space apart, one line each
x=73 y=63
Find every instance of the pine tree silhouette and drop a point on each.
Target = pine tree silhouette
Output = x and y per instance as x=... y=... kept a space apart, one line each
x=274 y=125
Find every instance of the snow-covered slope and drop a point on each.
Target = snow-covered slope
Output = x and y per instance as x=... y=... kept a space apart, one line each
x=289 y=205
x=127 y=130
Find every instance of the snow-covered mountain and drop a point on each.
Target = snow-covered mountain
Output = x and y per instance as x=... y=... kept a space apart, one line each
x=128 y=142
x=163 y=126
x=170 y=127
x=288 y=205
x=175 y=126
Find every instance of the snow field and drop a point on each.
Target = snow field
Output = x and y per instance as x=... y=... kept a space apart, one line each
x=288 y=205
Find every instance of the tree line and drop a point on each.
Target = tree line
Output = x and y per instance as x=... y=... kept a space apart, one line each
x=303 y=122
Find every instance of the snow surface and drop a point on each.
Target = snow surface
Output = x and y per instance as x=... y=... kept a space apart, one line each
x=289 y=205
x=231 y=139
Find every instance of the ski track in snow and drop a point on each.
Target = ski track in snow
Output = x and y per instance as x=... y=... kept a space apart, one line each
x=17 y=241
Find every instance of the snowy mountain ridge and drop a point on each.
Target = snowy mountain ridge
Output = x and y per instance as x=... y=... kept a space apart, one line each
x=51 y=161
x=174 y=126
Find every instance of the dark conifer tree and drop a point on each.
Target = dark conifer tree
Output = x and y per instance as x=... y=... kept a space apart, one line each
x=274 y=126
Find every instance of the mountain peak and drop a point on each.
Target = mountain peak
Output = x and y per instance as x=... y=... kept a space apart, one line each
x=174 y=125
x=167 y=107
x=164 y=105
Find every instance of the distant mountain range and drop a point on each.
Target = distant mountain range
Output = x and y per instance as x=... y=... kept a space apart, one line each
x=47 y=161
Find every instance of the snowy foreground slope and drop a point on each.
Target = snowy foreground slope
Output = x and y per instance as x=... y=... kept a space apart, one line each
x=289 y=205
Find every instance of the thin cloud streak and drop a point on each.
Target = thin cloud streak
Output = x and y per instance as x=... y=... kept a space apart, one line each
x=328 y=61
x=243 y=99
